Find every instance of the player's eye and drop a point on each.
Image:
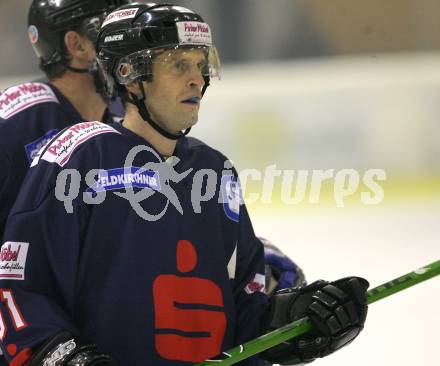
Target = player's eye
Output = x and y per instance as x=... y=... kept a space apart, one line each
x=181 y=66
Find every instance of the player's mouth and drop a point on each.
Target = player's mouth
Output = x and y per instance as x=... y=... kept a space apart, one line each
x=192 y=101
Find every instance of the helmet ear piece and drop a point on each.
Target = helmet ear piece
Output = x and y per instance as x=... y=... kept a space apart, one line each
x=124 y=70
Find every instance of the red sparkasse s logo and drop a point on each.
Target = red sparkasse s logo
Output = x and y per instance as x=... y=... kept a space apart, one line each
x=177 y=326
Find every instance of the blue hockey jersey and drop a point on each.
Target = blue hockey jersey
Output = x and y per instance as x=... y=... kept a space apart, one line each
x=30 y=115
x=167 y=279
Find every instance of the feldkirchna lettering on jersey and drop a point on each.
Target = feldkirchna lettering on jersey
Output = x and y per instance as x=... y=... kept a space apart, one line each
x=119 y=178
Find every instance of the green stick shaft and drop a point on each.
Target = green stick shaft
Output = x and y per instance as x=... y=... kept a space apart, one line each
x=303 y=325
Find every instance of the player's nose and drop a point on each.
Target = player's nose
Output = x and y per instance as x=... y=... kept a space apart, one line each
x=196 y=79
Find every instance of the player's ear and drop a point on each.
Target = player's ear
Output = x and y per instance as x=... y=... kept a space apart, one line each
x=75 y=44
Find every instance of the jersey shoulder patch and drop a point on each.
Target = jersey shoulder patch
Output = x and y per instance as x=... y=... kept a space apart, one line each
x=20 y=97
x=61 y=148
x=232 y=197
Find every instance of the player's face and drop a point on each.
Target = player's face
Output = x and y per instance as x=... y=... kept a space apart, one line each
x=173 y=97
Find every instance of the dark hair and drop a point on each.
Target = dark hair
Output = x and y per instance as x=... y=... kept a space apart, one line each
x=56 y=70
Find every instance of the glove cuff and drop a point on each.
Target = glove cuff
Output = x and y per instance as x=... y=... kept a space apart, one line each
x=64 y=349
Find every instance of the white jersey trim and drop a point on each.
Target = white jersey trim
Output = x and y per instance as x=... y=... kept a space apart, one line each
x=61 y=148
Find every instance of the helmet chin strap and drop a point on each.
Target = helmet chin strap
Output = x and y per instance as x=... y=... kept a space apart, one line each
x=143 y=111
x=74 y=69
x=97 y=80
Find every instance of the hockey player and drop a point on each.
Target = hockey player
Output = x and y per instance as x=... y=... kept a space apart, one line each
x=62 y=34
x=86 y=280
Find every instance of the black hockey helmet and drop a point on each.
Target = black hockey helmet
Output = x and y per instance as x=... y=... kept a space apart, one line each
x=133 y=35
x=48 y=20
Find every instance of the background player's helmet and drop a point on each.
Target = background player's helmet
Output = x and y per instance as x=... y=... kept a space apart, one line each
x=134 y=34
x=49 y=20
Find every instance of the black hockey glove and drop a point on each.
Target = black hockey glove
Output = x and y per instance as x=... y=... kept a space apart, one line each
x=64 y=350
x=338 y=311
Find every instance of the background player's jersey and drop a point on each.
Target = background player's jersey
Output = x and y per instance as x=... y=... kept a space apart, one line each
x=30 y=115
x=173 y=291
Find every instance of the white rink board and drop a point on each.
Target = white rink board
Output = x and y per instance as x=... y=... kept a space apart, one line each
x=379 y=244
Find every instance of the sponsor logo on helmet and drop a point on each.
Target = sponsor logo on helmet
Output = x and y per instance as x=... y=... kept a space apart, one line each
x=13 y=260
x=120 y=15
x=194 y=33
x=196 y=27
x=116 y=37
x=33 y=34
x=18 y=98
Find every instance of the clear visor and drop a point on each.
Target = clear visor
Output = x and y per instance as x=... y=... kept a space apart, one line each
x=176 y=61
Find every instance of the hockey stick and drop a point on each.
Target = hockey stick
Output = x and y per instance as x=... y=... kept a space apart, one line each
x=303 y=325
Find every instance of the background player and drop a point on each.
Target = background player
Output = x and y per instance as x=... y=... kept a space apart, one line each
x=62 y=34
